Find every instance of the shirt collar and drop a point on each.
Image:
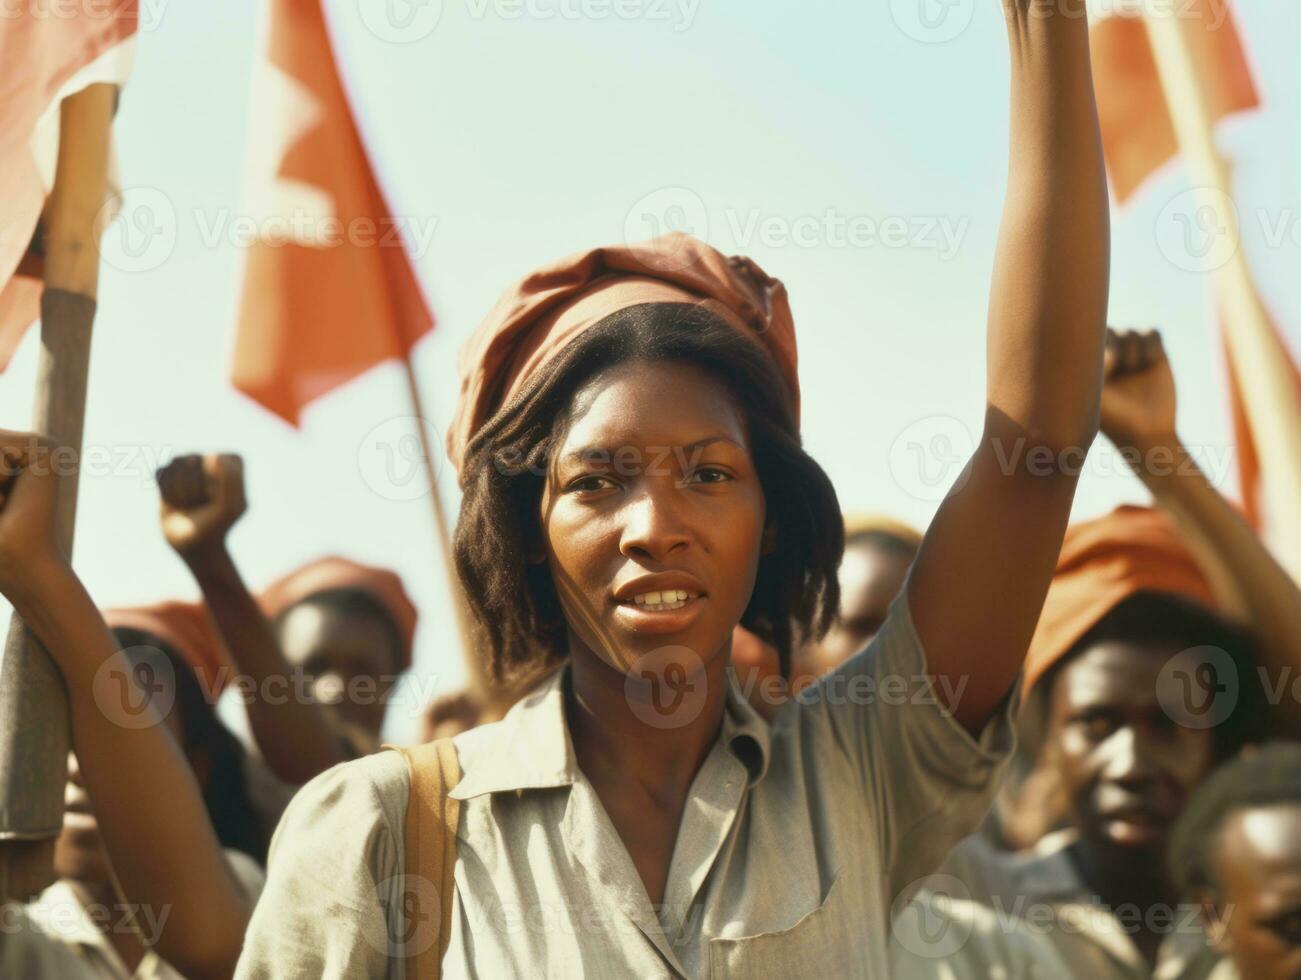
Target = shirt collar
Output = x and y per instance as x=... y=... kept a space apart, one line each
x=745 y=731
x=530 y=747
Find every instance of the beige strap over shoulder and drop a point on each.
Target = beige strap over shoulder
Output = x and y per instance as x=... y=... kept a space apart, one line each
x=432 y=819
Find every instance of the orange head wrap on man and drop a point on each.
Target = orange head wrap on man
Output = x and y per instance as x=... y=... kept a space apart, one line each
x=1102 y=563
x=331 y=573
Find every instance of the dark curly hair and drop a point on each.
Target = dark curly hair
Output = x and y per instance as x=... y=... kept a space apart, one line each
x=503 y=476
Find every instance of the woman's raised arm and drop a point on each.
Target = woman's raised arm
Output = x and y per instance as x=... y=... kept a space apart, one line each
x=984 y=567
x=159 y=839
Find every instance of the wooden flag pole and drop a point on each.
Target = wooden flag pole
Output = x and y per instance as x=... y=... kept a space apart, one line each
x=472 y=639
x=33 y=702
x=1271 y=401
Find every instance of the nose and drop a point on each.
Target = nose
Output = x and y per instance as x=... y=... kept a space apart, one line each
x=653 y=527
x=1129 y=759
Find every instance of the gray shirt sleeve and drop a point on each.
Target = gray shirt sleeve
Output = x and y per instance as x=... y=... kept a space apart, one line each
x=883 y=727
x=335 y=869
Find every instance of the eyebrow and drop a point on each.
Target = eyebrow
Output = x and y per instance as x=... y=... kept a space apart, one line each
x=586 y=452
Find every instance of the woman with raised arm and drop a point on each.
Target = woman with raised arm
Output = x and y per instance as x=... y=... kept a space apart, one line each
x=634 y=487
x=151 y=816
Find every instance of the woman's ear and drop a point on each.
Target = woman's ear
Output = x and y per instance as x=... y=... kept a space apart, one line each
x=768 y=543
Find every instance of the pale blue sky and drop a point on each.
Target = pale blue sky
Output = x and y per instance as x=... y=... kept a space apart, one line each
x=516 y=132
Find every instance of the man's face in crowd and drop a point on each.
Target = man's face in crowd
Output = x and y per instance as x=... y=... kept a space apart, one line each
x=1127 y=767
x=1257 y=863
x=350 y=658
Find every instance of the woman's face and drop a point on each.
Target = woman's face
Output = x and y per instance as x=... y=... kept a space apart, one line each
x=653 y=517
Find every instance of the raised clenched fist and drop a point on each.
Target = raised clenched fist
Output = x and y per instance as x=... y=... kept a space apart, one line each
x=1138 y=391
x=202 y=498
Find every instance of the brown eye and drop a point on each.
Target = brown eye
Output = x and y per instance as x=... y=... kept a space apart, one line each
x=1096 y=725
x=709 y=474
x=590 y=484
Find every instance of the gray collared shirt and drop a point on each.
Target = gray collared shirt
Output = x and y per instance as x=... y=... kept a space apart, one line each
x=794 y=843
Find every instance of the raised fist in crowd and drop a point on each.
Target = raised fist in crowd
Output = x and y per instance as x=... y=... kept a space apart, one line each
x=1138 y=392
x=202 y=498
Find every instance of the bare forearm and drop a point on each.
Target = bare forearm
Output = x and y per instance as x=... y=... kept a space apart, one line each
x=292 y=732
x=979 y=581
x=1047 y=316
x=148 y=806
x=1262 y=592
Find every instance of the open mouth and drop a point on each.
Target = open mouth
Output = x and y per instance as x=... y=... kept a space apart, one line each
x=665 y=611
x=664 y=601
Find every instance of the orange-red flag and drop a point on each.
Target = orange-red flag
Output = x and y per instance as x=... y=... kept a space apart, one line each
x=1137 y=134
x=1248 y=451
x=329 y=290
x=47 y=55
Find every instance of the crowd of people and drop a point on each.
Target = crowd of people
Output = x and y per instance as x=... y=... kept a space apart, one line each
x=730 y=730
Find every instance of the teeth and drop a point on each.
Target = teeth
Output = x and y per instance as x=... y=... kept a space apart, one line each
x=666 y=599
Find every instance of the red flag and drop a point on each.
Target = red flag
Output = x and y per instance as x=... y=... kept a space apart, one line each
x=1245 y=440
x=329 y=290
x=49 y=51
x=1137 y=134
